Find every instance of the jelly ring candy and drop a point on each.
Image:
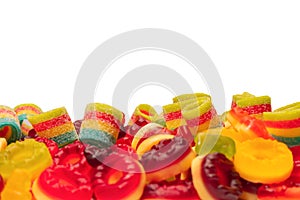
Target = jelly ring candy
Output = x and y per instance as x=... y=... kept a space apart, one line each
x=28 y=154
x=101 y=124
x=144 y=111
x=263 y=161
x=123 y=175
x=23 y=111
x=178 y=189
x=62 y=183
x=17 y=186
x=9 y=124
x=251 y=104
x=284 y=124
x=167 y=159
x=148 y=136
x=55 y=125
x=214 y=177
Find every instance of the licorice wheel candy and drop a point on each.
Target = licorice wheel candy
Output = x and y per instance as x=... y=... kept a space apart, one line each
x=144 y=111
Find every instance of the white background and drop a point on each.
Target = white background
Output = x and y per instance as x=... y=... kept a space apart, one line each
x=254 y=44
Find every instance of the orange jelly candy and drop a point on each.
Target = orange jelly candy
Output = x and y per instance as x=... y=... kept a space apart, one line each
x=263 y=161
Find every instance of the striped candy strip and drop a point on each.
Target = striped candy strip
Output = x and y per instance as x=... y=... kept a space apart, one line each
x=144 y=111
x=23 y=111
x=195 y=110
x=101 y=124
x=252 y=104
x=56 y=125
x=9 y=124
x=284 y=123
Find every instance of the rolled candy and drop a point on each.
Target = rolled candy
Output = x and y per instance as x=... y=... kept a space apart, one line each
x=9 y=124
x=101 y=125
x=56 y=125
x=284 y=124
x=194 y=110
x=252 y=104
x=143 y=111
x=23 y=111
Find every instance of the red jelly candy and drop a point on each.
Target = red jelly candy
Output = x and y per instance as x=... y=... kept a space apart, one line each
x=63 y=183
x=1 y=183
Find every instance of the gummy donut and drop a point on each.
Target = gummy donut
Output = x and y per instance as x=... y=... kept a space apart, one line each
x=251 y=104
x=28 y=154
x=9 y=124
x=167 y=159
x=23 y=111
x=284 y=123
x=263 y=161
x=214 y=177
x=178 y=189
x=62 y=183
x=120 y=177
x=56 y=125
x=101 y=125
x=148 y=136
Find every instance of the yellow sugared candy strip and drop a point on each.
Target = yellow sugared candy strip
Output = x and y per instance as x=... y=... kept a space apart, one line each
x=3 y=144
x=17 y=186
x=263 y=161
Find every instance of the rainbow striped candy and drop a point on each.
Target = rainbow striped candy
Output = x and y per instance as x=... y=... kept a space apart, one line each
x=56 y=125
x=23 y=111
x=145 y=111
x=9 y=124
x=101 y=124
x=195 y=110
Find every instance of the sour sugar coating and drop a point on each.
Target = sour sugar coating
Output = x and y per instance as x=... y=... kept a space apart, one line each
x=9 y=124
x=55 y=125
x=23 y=111
x=284 y=123
x=101 y=125
x=251 y=104
x=194 y=110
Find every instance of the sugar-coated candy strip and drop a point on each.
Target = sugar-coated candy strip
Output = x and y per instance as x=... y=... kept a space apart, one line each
x=56 y=125
x=251 y=104
x=23 y=111
x=284 y=123
x=101 y=124
x=9 y=124
x=144 y=111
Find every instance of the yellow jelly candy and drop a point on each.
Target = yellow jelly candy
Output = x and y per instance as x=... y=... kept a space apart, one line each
x=18 y=186
x=263 y=161
x=3 y=144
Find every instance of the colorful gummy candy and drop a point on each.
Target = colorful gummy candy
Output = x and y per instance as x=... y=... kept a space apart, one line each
x=182 y=153
x=9 y=124
x=56 y=125
x=101 y=125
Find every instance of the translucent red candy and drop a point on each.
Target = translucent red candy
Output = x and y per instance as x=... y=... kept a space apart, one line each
x=178 y=189
x=290 y=188
x=1 y=183
x=73 y=155
x=63 y=182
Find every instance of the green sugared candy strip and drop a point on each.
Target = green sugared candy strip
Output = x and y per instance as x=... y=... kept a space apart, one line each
x=288 y=112
x=214 y=142
x=185 y=97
